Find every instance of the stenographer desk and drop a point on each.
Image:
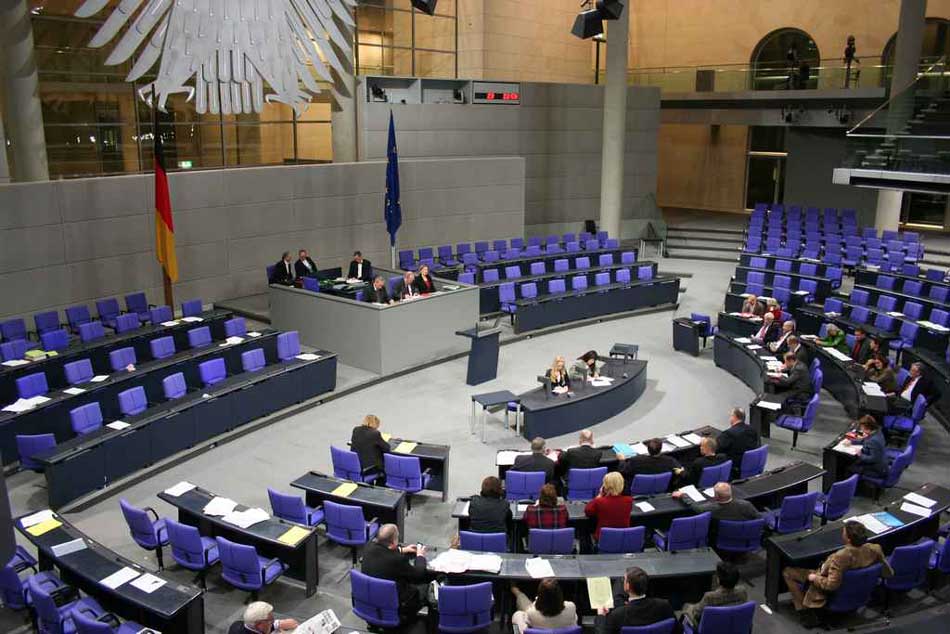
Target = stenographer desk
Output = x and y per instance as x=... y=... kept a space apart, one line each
x=301 y=558
x=548 y=415
x=174 y=607
x=810 y=548
x=387 y=506
x=94 y=460
x=53 y=415
x=380 y=338
x=98 y=351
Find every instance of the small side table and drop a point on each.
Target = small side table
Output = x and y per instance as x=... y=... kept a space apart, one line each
x=491 y=399
x=625 y=351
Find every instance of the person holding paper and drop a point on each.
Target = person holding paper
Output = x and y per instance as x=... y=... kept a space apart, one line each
x=810 y=588
x=639 y=609
x=537 y=460
x=834 y=338
x=877 y=369
x=424 y=282
x=872 y=461
x=796 y=383
x=546 y=512
x=583 y=456
x=707 y=458
x=728 y=592
x=738 y=439
x=369 y=444
x=861 y=350
x=360 y=268
x=549 y=611
x=723 y=506
x=767 y=332
x=377 y=293
x=560 y=381
x=384 y=558
x=259 y=617
x=651 y=464
x=611 y=508
x=752 y=306
x=489 y=511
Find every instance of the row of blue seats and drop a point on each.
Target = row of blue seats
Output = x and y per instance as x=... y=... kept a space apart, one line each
x=561 y=265
x=782 y=287
x=529 y=290
x=466 y=256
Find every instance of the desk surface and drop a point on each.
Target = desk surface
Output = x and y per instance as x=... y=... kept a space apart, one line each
x=364 y=495
x=775 y=480
x=539 y=400
x=592 y=290
x=96 y=562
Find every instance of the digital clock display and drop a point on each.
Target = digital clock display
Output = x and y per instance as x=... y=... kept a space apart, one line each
x=498 y=96
x=496 y=92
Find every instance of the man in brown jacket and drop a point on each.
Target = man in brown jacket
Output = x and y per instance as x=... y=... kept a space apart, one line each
x=810 y=588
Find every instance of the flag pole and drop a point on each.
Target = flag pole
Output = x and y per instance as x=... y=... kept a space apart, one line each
x=392 y=256
x=166 y=281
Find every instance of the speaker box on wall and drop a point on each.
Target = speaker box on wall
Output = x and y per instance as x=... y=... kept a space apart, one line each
x=426 y=6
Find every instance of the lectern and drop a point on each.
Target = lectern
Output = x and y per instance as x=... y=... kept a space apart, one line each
x=483 y=357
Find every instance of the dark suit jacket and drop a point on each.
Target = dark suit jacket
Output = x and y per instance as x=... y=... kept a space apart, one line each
x=797 y=383
x=302 y=270
x=367 y=271
x=376 y=296
x=564 y=382
x=873 y=459
x=771 y=334
x=238 y=628
x=735 y=510
x=369 y=445
x=864 y=351
x=737 y=440
x=646 y=465
x=800 y=354
x=281 y=276
x=421 y=286
x=582 y=457
x=643 y=611
x=695 y=470
x=535 y=462
x=382 y=563
x=488 y=515
x=401 y=290
x=923 y=386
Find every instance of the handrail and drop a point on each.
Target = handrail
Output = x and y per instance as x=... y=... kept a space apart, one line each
x=917 y=78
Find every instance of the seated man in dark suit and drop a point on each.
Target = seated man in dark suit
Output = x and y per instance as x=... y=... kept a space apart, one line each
x=651 y=464
x=728 y=592
x=369 y=445
x=861 y=350
x=872 y=461
x=635 y=608
x=304 y=266
x=583 y=456
x=767 y=332
x=723 y=506
x=537 y=460
x=707 y=458
x=914 y=385
x=794 y=384
x=259 y=618
x=384 y=558
x=780 y=345
x=360 y=268
x=738 y=439
x=406 y=287
x=284 y=271
x=376 y=294
x=794 y=345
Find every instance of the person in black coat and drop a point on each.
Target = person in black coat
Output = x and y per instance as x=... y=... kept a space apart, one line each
x=376 y=294
x=384 y=558
x=557 y=373
x=653 y=463
x=304 y=266
x=914 y=385
x=796 y=384
x=284 y=271
x=738 y=439
x=872 y=461
x=635 y=608
x=489 y=511
x=406 y=287
x=707 y=458
x=537 y=460
x=369 y=445
x=861 y=350
x=584 y=456
x=360 y=268
x=424 y=283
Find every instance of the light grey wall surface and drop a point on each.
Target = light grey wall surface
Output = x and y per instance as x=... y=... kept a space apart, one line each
x=73 y=241
x=812 y=156
x=557 y=128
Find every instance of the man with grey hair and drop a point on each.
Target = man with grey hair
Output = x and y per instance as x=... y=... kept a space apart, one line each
x=583 y=456
x=780 y=345
x=537 y=460
x=916 y=384
x=723 y=506
x=259 y=617
x=738 y=439
x=384 y=558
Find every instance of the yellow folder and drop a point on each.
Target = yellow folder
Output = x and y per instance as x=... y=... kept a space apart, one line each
x=44 y=527
x=293 y=535
x=344 y=490
x=405 y=447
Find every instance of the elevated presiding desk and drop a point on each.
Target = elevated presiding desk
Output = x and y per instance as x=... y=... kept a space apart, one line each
x=53 y=416
x=380 y=504
x=98 y=351
x=293 y=544
x=380 y=338
x=171 y=607
x=85 y=463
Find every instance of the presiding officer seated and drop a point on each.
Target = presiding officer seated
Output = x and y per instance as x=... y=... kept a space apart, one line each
x=635 y=608
x=557 y=373
x=305 y=266
x=406 y=287
x=384 y=558
x=369 y=444
x=360 y=268
x=284 y=271
x=377 y=293
x=424 y=282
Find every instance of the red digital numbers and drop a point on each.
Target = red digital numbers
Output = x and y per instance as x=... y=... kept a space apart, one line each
x=501 y=96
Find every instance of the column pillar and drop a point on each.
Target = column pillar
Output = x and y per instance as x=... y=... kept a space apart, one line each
x=4 y=166
x=343 y=103
x=615 y=124
x=22 y=109
x=910 y=37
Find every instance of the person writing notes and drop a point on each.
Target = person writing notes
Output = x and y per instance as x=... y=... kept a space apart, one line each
x=369 y=444
x=590 y=360
x=424 y=282
x=360 y=268
x=872 y=461
x=560 y=381
x=406 y=287
x=377 y=293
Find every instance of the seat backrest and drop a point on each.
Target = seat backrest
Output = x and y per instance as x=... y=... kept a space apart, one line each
x=645 y=484
x=107 y=308
x=212 y=371
x=133 y=401
x=689 y=532
x=645 y=272
x=199 y=337
x=506 y=292
x=46 y=321
x=345 y=522
x=913 y=310
x=162 y=347
x=512 y=272
x=140 y=524
x=78 y=371
x=86 y=418
x=912 y=287
x=582 y=263
x=29 y=445
x=185 y=542
x=374 y=600
x=550 y=541
x=628 y=257
x=288 y=507
x=796 y=512
x=753 y=462
x=583 y=484
x=86 y=624
x=32 y=385
x=529 y=290
x=174 y=386
x=883 y=321
x=740 y=536
x=77 y=315
x=288 y=345
x=465 y=608
x=55 y=340
x=908 y=332
x=622 y=276
x=602 y=279
x=12 y=350
x=939 y=293
x=48 y=616
x=191 y=308
x=537 y=268
x=346 y=464
x=860 y=314
x=579 y=282
x=402 y=472
x=838 y=500
x=833 y=305
x=561 y=265
x=136 y=303
x=253 y=360
x=727 y=618
x=785 y=266
x=161 y=314
x=523 y=485
x=91 y=331
x=488 y=275
x=855 y=590
x=240 y=565
x=621 y=540
x=483 y=542
x=859 y=297
x=605 y=259
x=122 y=358
x=758 y=263
x=235 y=327
x=556 y=286
x=886 y=302
x=467 y=277
x=716 y=473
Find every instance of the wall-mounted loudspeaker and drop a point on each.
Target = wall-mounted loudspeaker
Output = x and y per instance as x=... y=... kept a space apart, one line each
x=426 y=6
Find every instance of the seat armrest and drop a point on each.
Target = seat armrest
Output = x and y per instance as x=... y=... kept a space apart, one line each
x=111 y=619
x=427 y=471
x=149 y=509
x=64 y=594
x=661 y=534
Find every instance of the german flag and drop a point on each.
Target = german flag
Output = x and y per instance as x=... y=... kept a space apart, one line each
x=164 y=226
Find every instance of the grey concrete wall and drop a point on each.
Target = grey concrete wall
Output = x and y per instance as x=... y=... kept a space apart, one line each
x=812 y=156
x=73 y=241
x=557 y=128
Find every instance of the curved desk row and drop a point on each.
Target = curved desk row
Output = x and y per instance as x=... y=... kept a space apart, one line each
x=98 y=351
x=52 y=417
x=89 y=462
x=736 y=296
x=524 y=263
x=173 y=607
x=737 y=324
x=745 y=259
x=736 y=358
x=547 y=415
x=866 y=276
x=845 y=380
x=597 y=301
x=823 y=283
x=379 y=504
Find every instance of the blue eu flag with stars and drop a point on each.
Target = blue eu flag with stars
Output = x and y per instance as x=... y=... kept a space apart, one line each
x=392 y=210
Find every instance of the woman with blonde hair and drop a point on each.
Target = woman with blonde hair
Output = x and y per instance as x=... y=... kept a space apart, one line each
x=611 y=508
x=560 y=381
x=369 y=444
x=424 y=282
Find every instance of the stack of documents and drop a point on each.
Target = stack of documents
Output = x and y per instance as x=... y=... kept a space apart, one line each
x=918 y=499
x=845 y=447
x=769 y=405
x=247 y=518
x=174 y=322
x=872 y=389
x=877 y=523
x=917 y=504
x=36 y=518
x=929 y=325
x=506 y=457
x=693 y=493
x=538 y=568
x=73 y=391
x=25 y=404
x=219 y=506
x=118 y=425
x=179 y=489
x=601 y=381
x=743 y=340
x=191 y=319
x=678 y=442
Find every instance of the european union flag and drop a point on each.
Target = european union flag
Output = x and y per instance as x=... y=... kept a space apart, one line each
x=392 y=210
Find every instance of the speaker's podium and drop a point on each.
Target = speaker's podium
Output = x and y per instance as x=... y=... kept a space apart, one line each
x=483 y=358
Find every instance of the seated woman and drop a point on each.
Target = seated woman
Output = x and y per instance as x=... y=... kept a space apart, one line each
x=611 y=508
x=590 y=359
x=877 y=369
x=489 y=512
x=560 y=381
x=548 y=612
x=872 y=461
x=546 y=512
x=424 y=282
x=834 y=338
x=774 y=307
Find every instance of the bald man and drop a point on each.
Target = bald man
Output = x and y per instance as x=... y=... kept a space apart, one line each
x=723 y=506
x=707 y=458
x=384 y=558
x=583 y=456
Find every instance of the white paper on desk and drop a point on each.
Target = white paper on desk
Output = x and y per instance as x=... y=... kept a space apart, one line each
x=173 y=322
x=73 y=391
x=253 y=333
x=808 y=337
x=872 y=389
x=12 y=363
x=538 y=568
x=233 y=340
x=219 y=506
x=72 y=546
x=308 y=356
x=119 y=577
x=506 y=457
x=693 y=438
x=799 y=292
x=678 y=442
x=148 y=583
x=465 y=508
x=39 y=399
x=601 y=382
x=248 y=518
x=646 y=507
x=907 y=507
x=743 y=340
x=118 y=425
x=99 y=378
x=845 y=447
x=770 y=359
x=871 y=523
x=451 y=561
x=322 y=623
x=20 y=405
x=191 y=319
x=709 y=492
x=485 y=562
x=693 y=493
x=36 y=518
x=769 y=405
x=640 y=449
x=894 y=313
x=919 y=500
x=753 y=346
x=179 y=489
